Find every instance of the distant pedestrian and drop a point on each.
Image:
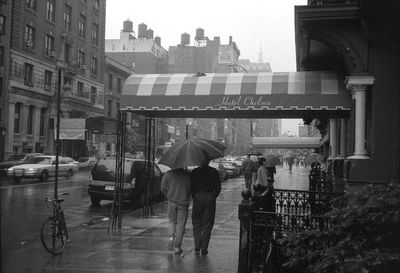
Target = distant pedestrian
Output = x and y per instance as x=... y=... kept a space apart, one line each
x=290 y=161
x=255 y=169
x=262 y=174
x=247 y=169
x=205 y=187
x=175 y=185
x=271 y=171
x=263 y=188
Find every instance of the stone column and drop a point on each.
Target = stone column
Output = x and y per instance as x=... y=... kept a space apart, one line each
x=245 y=209
x=332 y=139
x=36 y=126
x=358 y=86
x=10 y=138
x=343 y=139
x=24 y=112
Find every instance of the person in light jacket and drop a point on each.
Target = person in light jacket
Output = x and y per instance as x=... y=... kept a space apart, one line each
x=175 y=185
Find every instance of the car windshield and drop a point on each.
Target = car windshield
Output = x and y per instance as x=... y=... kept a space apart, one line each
x=39 y=160
x=83 y=159
x=16 y=157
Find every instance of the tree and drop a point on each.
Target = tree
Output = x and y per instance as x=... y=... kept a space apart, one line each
x=364 y=236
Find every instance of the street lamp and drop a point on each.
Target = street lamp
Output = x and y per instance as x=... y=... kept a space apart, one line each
x=57 y=132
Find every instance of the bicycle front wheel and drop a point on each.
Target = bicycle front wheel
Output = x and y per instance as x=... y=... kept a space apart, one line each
x=53 y=236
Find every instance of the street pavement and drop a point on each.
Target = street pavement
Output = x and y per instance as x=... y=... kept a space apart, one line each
x=141 y=245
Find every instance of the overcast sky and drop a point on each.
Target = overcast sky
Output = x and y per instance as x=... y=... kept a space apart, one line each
x=254 y=25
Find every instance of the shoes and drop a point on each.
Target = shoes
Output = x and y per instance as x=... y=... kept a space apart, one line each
x=170 y=243
x=197 y=251
x=177 y=250
x=204 y=252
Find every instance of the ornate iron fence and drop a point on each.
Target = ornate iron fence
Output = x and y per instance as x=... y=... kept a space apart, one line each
x=294 y=211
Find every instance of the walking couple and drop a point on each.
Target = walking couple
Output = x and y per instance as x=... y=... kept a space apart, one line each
x=204 y=185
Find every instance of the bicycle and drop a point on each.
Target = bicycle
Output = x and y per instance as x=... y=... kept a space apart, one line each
x=54 y=233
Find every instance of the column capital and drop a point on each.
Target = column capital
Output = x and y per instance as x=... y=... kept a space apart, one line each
x=358 y=83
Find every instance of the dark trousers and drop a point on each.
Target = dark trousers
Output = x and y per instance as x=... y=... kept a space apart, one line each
x=203 y=216
x=271 y=171
x=248 y=177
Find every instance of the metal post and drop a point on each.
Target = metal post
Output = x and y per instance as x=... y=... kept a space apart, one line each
x=57 y=132
x=245 y=209
x=116 y=209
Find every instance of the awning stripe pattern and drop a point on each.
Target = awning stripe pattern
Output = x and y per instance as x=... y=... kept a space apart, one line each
x=235 y=91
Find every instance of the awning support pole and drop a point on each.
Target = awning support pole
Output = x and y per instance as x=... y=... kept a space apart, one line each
x=149 y=159
x=116 y=209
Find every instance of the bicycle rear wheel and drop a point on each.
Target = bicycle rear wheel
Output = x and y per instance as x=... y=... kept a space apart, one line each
x=53 y=236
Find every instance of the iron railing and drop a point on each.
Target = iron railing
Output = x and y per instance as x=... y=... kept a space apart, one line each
x=295 y=211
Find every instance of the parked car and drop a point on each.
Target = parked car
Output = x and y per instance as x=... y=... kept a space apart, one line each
x=231 y=168
x=102 y=181
x=15 y=159
x=71 y=160
x=87 y=162
x=42 y=167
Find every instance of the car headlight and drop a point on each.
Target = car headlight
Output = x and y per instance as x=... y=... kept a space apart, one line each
x=10 y=169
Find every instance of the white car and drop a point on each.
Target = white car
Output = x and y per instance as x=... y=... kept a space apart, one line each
x=163 y=168
x=42 y=167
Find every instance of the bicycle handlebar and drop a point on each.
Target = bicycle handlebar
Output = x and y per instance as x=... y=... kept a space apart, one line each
x=58 y=197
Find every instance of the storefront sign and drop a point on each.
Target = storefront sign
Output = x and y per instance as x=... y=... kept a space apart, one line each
x=72 y=128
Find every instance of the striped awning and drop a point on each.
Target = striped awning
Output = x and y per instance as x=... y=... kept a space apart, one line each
x=234 y=94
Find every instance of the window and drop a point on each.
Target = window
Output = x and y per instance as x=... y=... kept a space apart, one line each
x=29 y=124
x=93 y=95
x=96 y=5
x=1 y=55
x=50 y=11
x=31 y=4
x=110 y=81
x=17 y=117
x=95 y=34
x=82 y=26
x=2 y=25
x=28 y=79
x=79 y=88
x=81 y=58
x=49 y=45
x=67 y=52
x=109 y=108
x=67 y=17
x=93 y=66
x=119 y=85
x=47 y=80
x=29 y=36
x=42 y=121
x=118 y=106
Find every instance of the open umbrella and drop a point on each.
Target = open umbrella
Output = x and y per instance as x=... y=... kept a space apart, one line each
x=314 y=157
x=192 y=152
x=271 y=160
x=289 y=154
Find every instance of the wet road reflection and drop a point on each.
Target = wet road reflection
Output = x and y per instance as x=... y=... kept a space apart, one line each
x=23 y=209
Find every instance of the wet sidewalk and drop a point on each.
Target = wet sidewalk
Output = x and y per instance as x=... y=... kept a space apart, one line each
x=141 y=244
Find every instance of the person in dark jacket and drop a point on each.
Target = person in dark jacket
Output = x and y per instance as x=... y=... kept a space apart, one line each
x=205 y=188
x=248 y=167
